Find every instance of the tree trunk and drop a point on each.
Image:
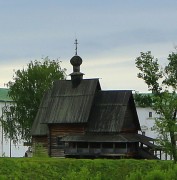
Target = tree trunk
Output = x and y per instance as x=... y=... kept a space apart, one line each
x=173 y=140
x=173 y=146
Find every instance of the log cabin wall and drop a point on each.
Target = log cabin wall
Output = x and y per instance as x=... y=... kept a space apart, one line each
x=38 y=141
x=59 y=130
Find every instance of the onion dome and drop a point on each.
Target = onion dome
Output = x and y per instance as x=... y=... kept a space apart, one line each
x=76 y=60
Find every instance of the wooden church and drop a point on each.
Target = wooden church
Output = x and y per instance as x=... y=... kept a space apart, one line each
x=76 y=118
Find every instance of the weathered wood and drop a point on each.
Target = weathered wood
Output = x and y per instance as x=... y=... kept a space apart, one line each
x=99 y=152
x=70 y=104
x=69 y=112
x=60 y=130
x=40 y=141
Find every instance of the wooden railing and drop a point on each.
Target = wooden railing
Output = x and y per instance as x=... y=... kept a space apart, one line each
x=98 y=151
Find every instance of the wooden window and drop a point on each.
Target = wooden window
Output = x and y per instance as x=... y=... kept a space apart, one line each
x=82 y=145
x=107 y=145
x=60 y=143
x=72 y=144
x=95 y=145
x=120 y=145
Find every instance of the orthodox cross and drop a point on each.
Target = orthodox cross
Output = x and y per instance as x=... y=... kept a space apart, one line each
x=76 y=43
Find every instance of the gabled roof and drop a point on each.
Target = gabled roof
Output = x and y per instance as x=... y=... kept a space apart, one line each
x=109 y=112
x=38 y=128
x=70 y=104
x=103 y=111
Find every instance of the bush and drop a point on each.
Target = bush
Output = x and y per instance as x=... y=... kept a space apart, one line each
x=39 y=151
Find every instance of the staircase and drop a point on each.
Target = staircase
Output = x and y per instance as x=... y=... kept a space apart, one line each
x=145 y=154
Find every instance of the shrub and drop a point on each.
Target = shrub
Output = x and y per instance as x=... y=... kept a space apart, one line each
x=39 y=150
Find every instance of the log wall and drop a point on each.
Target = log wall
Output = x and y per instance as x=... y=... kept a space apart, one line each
x=55 y=131
x=40 y=141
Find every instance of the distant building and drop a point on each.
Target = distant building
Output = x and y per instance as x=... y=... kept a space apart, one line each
x=78 y=119
x=147 y=117
x=7 y=148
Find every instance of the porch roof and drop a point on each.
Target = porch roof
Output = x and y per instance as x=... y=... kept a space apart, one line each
x=111 y=138
x=101 y=138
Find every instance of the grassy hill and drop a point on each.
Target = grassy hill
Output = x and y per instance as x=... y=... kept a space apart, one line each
x=81 y=169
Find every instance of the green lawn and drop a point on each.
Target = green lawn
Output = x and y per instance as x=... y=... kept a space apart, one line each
x=71 y=169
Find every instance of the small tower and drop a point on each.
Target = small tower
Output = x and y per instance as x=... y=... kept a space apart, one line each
x=76 y=61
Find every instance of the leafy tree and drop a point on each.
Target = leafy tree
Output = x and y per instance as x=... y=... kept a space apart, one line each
x=143 y=100
x=162 y=81
x=26 y=90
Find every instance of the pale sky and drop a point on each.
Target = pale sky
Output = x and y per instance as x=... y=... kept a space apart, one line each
x=110 y=33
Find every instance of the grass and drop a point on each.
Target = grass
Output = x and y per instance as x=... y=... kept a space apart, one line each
x=71 y=169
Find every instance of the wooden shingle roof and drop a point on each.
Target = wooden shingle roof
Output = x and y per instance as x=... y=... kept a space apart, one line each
x=70 y=104
x=110 y=110
x=101 y=138
x=39 y=129
x=102 y=111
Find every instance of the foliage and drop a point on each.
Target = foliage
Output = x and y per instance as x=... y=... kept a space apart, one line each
x=39 y=150
x=82 y=174
x=151 y=72
x=156 y=173
x=105 y=169
x=26 y=90
x=143 y=100
x=163 y=84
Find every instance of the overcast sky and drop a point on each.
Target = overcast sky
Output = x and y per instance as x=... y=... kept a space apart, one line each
x=110 y=33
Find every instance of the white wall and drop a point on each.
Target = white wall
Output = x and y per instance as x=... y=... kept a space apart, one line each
x=16 y=150
x=147 y=123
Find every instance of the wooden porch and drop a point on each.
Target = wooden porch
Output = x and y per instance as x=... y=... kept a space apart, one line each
x=117 y=145
x=101 y=149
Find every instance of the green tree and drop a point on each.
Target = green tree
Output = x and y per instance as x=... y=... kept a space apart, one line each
x=26 y=90
x=143 y=100
x=162 y=81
